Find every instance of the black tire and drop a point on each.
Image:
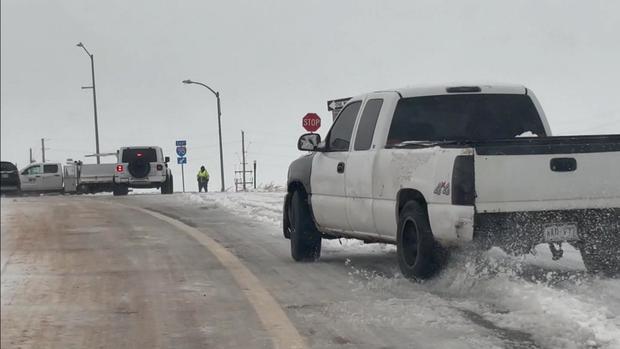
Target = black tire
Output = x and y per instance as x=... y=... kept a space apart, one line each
x=120 y=190
x=167 y=186
x=599 y=252
x=82 y=189
x=420 y=257
x=139 y=168
x=305 y=237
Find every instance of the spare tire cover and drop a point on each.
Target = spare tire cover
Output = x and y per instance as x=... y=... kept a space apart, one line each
x=139 y=168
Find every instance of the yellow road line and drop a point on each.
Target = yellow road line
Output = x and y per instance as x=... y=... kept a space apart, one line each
x=283 y=333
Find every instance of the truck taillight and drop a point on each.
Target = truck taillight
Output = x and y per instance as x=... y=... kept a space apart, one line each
x=463 y=184
x=119 y=168
x=160 y=167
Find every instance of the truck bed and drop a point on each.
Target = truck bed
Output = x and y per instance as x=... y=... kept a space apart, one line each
x=97 y=173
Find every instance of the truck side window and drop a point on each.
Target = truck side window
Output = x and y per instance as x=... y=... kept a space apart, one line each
x=340 y=135
x=368 y=121
x=50 y=168
x=32 y=170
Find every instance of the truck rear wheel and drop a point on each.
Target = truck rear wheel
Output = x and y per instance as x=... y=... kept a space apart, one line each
x=305 y=237
x=82 y=189
x=167 y=187
x=419 y=255
x=120 y=190
x=599 y=252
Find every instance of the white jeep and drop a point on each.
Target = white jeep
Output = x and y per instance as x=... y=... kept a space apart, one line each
x=142 y=167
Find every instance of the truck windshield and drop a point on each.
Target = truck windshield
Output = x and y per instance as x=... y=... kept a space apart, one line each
x=130 y=155
x=466 y=117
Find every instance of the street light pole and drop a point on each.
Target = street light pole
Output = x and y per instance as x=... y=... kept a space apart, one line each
x=92 y=69
x=219 y=126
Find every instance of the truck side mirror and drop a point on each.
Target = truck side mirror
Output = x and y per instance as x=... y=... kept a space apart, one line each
x=167 y=159
x=309 y=141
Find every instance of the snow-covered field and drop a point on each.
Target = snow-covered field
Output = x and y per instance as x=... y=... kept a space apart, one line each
x=533 y=299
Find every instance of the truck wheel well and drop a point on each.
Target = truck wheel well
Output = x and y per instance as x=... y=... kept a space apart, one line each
x=406 y=195
x=294 y=186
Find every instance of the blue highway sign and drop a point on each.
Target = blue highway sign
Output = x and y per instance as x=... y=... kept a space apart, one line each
x=181 y=143
x=181 y=151
x=181 y=160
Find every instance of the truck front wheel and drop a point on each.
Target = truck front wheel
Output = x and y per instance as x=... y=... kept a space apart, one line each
x=419 y=255
x=305 y=237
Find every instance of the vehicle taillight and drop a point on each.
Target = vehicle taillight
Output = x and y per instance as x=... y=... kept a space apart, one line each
x=119 y=168
x=160 y=167
x=463 y=184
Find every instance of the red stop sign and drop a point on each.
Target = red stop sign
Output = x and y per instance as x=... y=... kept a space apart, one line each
x=311 y=122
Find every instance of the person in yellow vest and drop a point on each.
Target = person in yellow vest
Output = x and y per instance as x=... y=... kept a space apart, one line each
x=203 y=179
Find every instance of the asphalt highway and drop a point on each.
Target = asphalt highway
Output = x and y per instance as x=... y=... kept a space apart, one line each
x=143 y=271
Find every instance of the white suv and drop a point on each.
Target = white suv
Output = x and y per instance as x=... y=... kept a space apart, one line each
x=142 y=167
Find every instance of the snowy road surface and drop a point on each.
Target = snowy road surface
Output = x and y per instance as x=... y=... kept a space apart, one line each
x=92 y=271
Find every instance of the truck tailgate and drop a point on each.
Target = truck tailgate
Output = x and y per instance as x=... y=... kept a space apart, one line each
x=550 y=173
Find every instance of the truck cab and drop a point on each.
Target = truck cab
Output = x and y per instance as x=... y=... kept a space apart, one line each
x=42 y=177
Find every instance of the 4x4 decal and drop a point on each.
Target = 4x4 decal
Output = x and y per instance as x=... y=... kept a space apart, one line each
x=442 y=187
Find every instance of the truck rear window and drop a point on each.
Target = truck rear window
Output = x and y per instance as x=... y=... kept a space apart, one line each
x=53 y=168
x=464 y=117
x=133 y=154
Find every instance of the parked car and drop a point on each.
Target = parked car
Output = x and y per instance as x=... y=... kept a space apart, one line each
x=9 y=178
x=432 y=167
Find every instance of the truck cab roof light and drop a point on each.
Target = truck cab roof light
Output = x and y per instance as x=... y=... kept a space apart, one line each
x=463 y=89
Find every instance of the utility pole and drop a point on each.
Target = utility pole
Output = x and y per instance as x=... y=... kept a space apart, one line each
x=31 y=159
x=92 y=71
x=243 y=157
x=42 y=149
x=254 y=174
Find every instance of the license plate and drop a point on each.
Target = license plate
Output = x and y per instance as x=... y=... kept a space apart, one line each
x=561 y=232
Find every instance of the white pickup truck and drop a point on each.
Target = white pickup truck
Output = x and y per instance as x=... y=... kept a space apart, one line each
x=431 y=167
x=73 y=177
x=42 y=177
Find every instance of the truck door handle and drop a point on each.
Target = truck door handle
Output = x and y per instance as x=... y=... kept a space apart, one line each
x=563 y=164
x=56 y=175
x=340 y=167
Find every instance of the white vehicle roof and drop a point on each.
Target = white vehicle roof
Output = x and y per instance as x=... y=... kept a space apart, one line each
x=141 y=147
x=435 y=90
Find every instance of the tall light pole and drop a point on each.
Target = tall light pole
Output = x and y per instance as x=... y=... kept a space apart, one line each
x=219 y=125
x=92 y=69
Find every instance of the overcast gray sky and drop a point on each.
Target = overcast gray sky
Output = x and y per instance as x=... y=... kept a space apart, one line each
x=274 y=61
